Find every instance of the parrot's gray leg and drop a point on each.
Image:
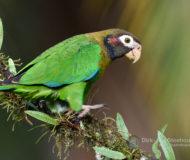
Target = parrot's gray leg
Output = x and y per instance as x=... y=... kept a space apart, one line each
x=87 y=108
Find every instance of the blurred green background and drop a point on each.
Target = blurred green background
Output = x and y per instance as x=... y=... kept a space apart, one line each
x=148 y=94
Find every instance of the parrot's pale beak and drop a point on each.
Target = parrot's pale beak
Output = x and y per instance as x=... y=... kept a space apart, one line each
x=134 y=54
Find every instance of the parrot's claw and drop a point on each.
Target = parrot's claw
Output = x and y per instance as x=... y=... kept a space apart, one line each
x=87 y=108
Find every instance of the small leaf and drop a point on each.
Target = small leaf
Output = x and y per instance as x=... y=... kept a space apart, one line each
x=155 y=149
x=144 y=158
x=122 y=127
x=42 y=117
x=164 y=128
x=109 y=153
x=12 y=68
x=166 y=146
x=1 y=33
x=82 y=125
x=31 y=105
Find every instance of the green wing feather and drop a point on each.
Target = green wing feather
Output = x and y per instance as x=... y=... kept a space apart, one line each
x=73 y=60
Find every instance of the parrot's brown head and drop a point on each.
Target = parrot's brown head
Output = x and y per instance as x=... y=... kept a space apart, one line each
x=122 y=43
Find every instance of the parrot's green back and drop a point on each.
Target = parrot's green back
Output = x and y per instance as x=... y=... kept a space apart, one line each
x=73 y=60
x=61 y=72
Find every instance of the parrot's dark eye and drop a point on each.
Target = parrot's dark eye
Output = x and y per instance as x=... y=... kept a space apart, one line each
x=127 y=40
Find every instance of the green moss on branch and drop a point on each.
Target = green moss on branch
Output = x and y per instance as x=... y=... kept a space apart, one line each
x=85 y=132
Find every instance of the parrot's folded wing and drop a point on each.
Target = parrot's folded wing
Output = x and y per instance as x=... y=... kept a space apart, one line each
x=73 y=60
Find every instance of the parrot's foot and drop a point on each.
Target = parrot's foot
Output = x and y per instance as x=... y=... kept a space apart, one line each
x=87 y=108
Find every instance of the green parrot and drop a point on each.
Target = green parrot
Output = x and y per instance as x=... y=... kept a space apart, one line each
x=67 y=70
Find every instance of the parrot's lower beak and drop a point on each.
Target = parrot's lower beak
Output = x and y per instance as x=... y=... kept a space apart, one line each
x=134 y=54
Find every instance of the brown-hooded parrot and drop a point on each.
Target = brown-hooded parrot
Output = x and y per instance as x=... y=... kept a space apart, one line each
x=67 y=70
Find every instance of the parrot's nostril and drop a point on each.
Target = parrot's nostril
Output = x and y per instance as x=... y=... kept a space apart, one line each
x=139 y=47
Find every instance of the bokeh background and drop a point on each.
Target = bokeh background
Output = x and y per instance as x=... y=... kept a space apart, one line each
x=149 y=94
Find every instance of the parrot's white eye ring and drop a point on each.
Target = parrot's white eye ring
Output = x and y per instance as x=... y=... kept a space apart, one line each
x=126 y=40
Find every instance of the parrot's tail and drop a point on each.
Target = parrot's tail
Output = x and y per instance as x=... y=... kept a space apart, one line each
x=10 y=84
x=7 y=87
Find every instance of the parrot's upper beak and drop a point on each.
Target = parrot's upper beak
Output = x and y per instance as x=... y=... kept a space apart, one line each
x=134 y=54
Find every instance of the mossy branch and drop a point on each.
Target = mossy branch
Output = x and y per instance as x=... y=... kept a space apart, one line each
x=70 y=130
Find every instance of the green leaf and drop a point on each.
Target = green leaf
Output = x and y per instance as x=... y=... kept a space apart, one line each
x=155 y=149
x=164 y=128
x=82 y=125
x=122 y=127
x=31 y=105
x=12 y=67
x=42 y=117
x=1 y=33
x=109 y=153
x=166 y=146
